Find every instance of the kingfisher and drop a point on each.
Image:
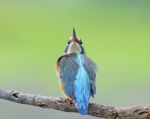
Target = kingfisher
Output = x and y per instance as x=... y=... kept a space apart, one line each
x=76 y=74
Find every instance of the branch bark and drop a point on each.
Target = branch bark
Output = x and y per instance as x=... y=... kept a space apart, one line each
x=108 y=112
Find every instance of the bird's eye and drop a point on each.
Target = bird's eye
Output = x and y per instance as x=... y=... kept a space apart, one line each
x=80 y=42
x=68 y=42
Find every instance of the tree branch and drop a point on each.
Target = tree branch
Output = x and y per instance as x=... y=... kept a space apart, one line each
x=97 y=110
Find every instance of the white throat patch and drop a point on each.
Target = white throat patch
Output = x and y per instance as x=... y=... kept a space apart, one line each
x=74 y=48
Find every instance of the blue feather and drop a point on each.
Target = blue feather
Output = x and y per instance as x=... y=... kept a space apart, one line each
x=82 y=87
x=77 y=76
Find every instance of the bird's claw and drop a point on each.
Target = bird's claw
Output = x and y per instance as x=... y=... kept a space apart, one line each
x=68 y=101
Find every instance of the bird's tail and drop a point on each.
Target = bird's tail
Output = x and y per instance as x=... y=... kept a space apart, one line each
x=83 y=110
x=82 y=107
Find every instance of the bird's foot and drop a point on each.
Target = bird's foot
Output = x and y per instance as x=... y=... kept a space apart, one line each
x=68 y=101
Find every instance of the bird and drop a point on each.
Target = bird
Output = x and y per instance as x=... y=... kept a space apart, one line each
x=76 y=74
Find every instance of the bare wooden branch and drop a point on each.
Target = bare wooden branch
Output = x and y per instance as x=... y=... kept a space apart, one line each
x=97 y=110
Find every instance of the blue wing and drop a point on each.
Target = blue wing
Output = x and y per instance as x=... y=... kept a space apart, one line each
x=91 y=68
x=68 y=70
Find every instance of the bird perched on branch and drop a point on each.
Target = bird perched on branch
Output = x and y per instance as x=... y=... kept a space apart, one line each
x=76 y=74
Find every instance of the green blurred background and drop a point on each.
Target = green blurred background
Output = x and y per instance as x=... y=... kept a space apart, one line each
x=34 y=33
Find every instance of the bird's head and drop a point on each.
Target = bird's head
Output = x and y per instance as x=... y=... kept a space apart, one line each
x=74 y=44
